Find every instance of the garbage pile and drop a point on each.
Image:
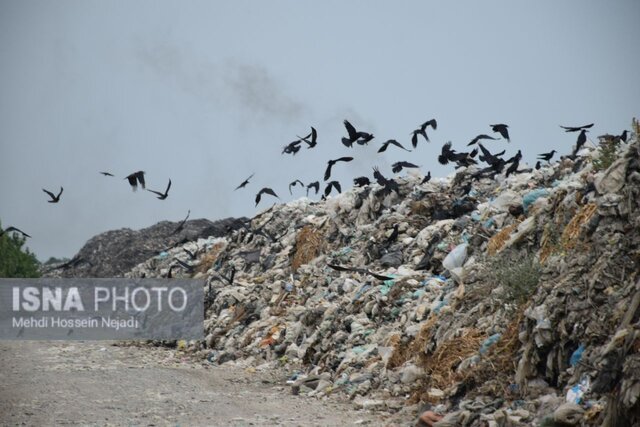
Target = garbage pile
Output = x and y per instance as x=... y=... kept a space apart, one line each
x=470 y=301
x=113 y=253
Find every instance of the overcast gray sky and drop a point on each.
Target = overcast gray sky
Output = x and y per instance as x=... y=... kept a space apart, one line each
x=207 y=92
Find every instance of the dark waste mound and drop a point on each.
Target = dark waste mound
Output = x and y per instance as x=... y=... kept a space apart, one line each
x=113 y=253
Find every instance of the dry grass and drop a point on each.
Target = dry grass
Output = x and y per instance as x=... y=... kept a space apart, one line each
x=402 y=353
x=497 y=367
x=309 y=244
x=441 y=365
x=571 y=233
x=210 y=258
x=497 y=242
x=549 y=242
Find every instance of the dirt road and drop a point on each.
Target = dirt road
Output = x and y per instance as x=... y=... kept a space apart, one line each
x=96 y=383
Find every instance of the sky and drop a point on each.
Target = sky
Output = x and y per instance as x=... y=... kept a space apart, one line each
x=205 y=93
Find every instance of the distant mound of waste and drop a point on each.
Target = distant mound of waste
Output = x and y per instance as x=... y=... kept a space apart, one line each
x=113 y=253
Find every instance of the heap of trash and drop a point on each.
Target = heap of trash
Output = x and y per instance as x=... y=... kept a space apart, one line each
x=113 y=253
x=462 y=301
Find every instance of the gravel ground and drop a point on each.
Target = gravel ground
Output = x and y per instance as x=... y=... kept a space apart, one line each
x=99 y=383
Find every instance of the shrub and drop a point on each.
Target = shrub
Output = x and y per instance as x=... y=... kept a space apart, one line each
x=518 y=273
x=14 y=261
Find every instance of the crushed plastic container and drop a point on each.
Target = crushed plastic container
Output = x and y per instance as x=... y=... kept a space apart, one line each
x=576 y=355
x=529 y=198
x=456 y=257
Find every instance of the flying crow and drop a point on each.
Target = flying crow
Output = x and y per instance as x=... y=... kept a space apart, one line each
x=446 y=154
x=331 y=185
x=245 y=182
x=479 y=137
x=180 y=226
x=314 y=137
x=422 y=130
x=355 y=136
x=358 y=270
x=502 y=130
x=10 y=229
x=397 y=166
x=54 y=198
x=392 y=142
x=361 y=181
x=293 y=147
x=576 y=128
x=164 y=195
x=294 y=183
x=330 y=163
x=546 y=156
x=315 y=185
x=106 y=173
x=388 y=184
x=135 y=178
x=189 y=253
x=265 y=190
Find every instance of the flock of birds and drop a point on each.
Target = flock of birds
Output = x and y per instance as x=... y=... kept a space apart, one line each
x=494 y=161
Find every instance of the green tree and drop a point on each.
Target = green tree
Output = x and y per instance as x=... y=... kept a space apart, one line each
x=14 y=261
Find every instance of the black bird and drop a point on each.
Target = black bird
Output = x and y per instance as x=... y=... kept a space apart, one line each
x=388 y=184
x=623 y=136
x=546 y=156
x=427 y=178
x=479 y=137
x=330 y=163
x=576 y=128
x=184 y=265
x=265 y=190
x=502 y=130
x=392 y=142
x=397 y=166
x=188 y=252
x=331 y=185
x=355 y=136
x=582 y=139
x=171 y=267
x=538 y=165
x=516 y=158
x=245 y=182
x=294 y=183
x=380 y=179
x=489 y=158
x=314 y=137
x=361 y=181
x=365 y=138
x=358 y=270
x=513 y=167
x=10 y=229
x=422 y=130
x=180 y=226
x=446 y=154
x=351 y=131
x=106 y=173
x=293 y=147
x=135 y=178
x=315 y=185
x=394 y=235
x=164 y=195
x=54 y=198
